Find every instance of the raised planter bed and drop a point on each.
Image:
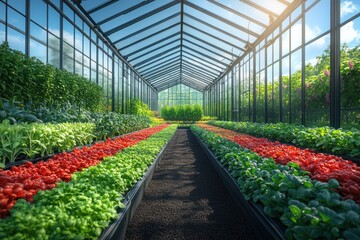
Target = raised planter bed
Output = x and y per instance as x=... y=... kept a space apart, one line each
x=117 y=229
x=265 y=227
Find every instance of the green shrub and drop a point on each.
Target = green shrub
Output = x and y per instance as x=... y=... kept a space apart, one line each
x=184 y=113
x=138 y=107
x=28 y=80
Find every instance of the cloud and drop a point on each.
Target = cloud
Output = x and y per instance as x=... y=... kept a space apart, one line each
x=349 y=34
x=347 y=7
x=310 y=33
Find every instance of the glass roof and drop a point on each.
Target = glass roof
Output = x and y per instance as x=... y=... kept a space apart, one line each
x=183 y=41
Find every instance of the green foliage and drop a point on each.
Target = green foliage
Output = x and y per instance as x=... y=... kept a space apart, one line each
x=138 y=107
x=11 y=111
x=84 y=207
x=34 y=139
x=184 y=113
x=28 y=80
x=309 y=209
x=326 y=139
x=113 y=124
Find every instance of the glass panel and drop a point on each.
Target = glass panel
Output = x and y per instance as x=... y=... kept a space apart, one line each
x=18 y=5
x=38 y=12
x=54 y=22
x=2 y=33
x=38 y=50
x=295 y=87
x=37 y=32
x=16 y=40
x=54 y=51
x=348 y=9
x=317 y=83
x=285 y=89
x=350 y=75
x=16 y=19
x=315 y=25
x=2 y=11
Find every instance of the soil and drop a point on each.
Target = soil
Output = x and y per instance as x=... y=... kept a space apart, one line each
x=186 y=199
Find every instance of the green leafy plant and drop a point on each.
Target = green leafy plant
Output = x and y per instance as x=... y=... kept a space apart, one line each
x=309 y=209
x=326 y=139
x=83 y=207
x=29 y=80
x=183 y=113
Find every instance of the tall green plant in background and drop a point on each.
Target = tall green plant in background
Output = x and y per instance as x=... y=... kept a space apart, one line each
x=138 y=107
x=184 y=113
x=28 y=80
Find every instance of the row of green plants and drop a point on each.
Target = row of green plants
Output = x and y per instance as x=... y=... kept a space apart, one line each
x=309 y=209
x=24 y=140
x=84 y=207
x=28 y=80
x=326 y=139
x=317 y=92
x=184 y=113
x=29 y=140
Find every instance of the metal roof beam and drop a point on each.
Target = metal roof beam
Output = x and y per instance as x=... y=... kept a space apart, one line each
x=155 y=49
x=215 y=71
x=215 y=37
x=204 y=60
x=209 y=50
x=157 y=61
x=206 y=56
x=200 y=68
x=210 y=44
x=160 y=71
x=194 y=85
x=224 y=20
x=198 y=73
x=187 y=72
x=149 y=36
x=142 y=17
x=216 y=28
x=159 y=68
x=130 y=9
x=152 y=44
x=101 y=6
x=155 y=56
x=247 y=17
x=260 y=8
x=147 y=28
x=165 y=74
x=168 y=80
x=149 y=68
x=165 y=71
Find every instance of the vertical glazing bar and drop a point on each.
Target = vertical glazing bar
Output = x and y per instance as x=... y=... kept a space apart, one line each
x=303 y=72
x=254 y=87
x=27 y=28
x=280 y=79
x=113 y=83
x=335 y=64
x=62 y=35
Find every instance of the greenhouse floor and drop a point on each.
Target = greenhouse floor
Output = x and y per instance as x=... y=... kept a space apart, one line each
x=186 y=199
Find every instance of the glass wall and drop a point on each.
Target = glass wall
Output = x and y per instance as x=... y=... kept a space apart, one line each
x=179 y=95
x=57 y=35
x=287 y=77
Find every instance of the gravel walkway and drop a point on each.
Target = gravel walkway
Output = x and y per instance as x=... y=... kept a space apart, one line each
x=186 y=199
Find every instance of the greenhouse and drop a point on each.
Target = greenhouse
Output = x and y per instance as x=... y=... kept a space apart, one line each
x=180 y=119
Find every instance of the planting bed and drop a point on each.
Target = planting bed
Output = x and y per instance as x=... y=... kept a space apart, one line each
x=186 y=199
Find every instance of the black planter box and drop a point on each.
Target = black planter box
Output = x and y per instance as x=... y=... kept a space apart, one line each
x=117 y=229
x=264 y=226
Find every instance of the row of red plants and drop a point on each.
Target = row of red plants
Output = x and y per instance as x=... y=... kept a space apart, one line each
x=322 y=167
x=26 y=180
